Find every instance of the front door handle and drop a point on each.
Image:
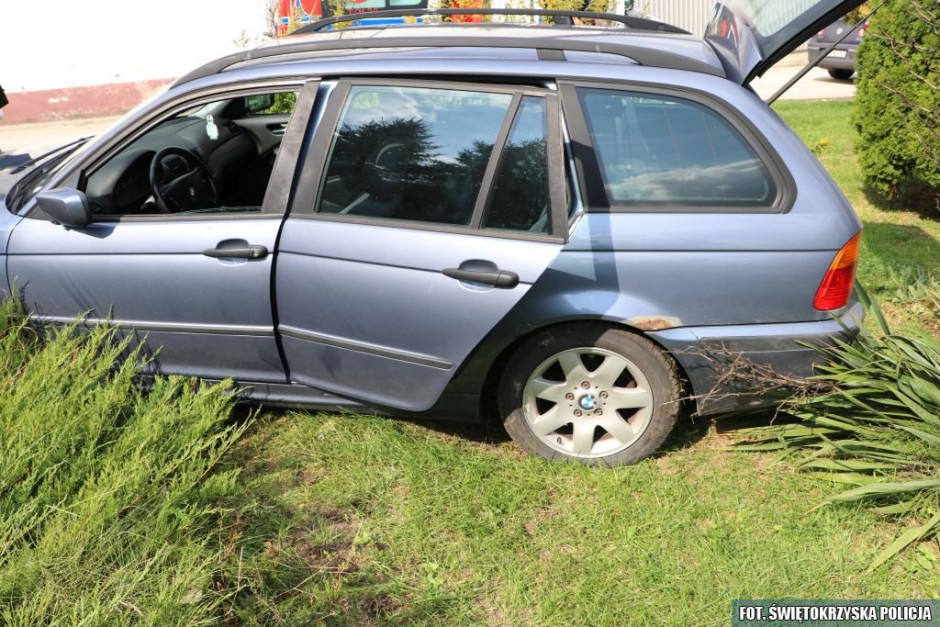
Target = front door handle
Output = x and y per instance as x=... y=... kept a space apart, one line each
x=502 y=279
x=250 y=251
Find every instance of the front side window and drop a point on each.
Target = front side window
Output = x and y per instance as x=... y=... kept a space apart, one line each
x=412 y=153
x=660 y=150
x=215 y=157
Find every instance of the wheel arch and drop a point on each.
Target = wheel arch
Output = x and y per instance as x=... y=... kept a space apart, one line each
x=497 y=368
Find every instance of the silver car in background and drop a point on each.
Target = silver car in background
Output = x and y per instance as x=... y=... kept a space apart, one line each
x=841 y=61
x=559 y=225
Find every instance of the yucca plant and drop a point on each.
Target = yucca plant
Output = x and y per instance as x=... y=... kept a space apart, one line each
x=875 y=426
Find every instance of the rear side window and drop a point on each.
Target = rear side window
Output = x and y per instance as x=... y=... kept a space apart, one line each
x=438 y=156
x=660 y=150
x=520 y=191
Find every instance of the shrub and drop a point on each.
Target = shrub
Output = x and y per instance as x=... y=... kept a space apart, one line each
x=872 y=421
x=108 y=499
x=897 y=104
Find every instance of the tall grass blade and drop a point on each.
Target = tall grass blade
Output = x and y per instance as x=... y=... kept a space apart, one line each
x=909 y=537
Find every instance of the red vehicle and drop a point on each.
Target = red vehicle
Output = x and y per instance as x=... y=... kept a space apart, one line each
x=292 y=13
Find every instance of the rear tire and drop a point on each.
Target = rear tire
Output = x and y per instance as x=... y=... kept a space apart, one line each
x=591 y=394
x=842 y=75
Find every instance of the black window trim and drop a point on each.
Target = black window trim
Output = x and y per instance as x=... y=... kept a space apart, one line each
x=307 y=198
x=597 y=199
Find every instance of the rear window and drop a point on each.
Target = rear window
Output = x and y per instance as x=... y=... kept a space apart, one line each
x=659 y=150
x=770 y=19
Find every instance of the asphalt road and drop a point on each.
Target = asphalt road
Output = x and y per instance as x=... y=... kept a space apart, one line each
x=34 y=139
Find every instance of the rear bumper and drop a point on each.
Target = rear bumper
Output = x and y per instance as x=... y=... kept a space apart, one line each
x=840 y=58
x=712 y=356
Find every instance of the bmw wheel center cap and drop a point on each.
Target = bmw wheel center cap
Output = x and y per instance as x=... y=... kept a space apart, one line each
x=588 y=402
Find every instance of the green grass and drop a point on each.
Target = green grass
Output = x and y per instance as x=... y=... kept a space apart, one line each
x=376 y=521
x=118 y=507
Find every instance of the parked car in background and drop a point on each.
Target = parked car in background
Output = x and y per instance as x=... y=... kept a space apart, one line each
x=841 y=61
x=573 y=228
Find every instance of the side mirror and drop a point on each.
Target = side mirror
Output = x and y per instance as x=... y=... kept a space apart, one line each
x=258 y=103
x=67 y=207
x=628 y=6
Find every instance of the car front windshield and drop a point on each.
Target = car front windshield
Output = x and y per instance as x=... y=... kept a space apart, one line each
x=48 y=165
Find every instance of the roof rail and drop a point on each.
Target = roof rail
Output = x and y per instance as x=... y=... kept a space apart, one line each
x=637 y=23
x=592 y=41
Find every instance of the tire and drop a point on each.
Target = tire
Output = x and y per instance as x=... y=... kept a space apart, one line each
x=842 y=75
x=590 y=394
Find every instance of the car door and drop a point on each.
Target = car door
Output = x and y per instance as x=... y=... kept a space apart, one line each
x=752 y=35
x=427 y=212
x=196 y=285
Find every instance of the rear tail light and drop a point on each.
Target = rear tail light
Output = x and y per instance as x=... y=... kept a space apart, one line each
x=836 y=286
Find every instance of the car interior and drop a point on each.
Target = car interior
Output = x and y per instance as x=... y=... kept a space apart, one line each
x=213 y=158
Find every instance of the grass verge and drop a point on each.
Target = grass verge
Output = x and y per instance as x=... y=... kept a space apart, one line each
x=370 y=521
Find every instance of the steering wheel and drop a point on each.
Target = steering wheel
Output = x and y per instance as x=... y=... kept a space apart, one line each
x=183 y=183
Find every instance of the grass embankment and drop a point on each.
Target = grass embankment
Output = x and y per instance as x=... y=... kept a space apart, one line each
x=362 y=520
x=108 y=497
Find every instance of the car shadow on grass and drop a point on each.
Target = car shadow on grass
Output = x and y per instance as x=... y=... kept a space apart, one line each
x=689 y=431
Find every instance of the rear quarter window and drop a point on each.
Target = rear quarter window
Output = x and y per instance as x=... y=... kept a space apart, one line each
x=654 y=149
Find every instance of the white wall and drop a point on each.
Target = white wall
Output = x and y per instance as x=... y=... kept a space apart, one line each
x=692 y=15
x=49 y=44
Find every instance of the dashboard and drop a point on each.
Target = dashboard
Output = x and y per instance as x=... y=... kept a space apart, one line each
x=122 y=185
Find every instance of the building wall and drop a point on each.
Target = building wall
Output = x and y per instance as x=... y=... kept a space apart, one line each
x=692 y=15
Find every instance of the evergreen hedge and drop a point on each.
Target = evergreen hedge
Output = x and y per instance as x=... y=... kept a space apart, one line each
x=898 y=104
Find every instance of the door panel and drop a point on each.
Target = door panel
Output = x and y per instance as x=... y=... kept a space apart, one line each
x=267 y=130
x=206 y=316
x=367 y=311
x=439 y=206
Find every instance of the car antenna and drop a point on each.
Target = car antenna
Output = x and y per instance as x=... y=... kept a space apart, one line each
x=790 y=83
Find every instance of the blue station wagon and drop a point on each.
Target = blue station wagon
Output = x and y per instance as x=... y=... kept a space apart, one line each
x=555 y=224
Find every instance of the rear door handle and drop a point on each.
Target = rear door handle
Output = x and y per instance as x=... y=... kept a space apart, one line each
x=251 y=251
x=502 y=279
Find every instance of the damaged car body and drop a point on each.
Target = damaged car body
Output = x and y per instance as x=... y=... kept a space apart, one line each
x=547 y=224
